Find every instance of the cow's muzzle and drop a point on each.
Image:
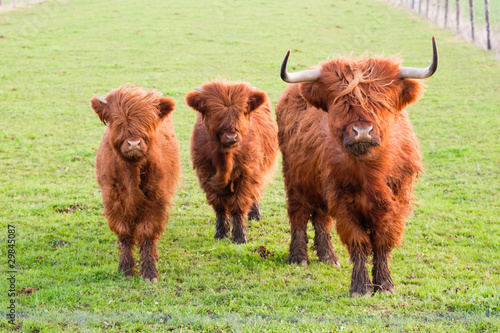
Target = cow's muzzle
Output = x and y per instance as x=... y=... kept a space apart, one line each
x=229 y=140
x=133 y=149
x=360 y=137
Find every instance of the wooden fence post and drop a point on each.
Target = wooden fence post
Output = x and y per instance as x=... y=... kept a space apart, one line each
x=471 y=6
x=437 y=11
x=458 y=16
x=487 y=14
x=446 y=12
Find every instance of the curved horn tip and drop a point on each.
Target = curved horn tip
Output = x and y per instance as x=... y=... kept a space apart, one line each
x=283 y=73
x=199 y=89
x=421 y=73
x=102 y=100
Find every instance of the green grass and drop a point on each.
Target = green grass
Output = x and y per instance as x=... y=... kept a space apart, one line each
x=55 y=56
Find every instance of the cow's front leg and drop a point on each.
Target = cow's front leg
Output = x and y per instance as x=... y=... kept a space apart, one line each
x=298 y=214
x=222 y=225
x=239 y=228
x=383 y=242
x=255 y=213
x=125 y=233
x=360 y=280
x=127 y=262
x=322 y=238
x=382 y=280
x=147 y=234
x=359 y=246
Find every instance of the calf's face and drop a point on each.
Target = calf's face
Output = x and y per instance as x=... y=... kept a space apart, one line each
x=132 y=117
x=226 y=110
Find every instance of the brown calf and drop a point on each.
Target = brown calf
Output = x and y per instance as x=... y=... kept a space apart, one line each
x=137 y=167
x=233 y=148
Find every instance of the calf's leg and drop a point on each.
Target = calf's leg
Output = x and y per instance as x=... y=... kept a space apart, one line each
x=147 y=235
x=255 y=213
x=239 y=228
x=127 y=262
x=222 y=226
x=125 y=233
x=148 y=258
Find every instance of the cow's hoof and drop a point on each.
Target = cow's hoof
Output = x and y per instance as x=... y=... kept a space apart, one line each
x=297 y=261
x=221 y=235
x=255 y=213
x=240 y=240
x=331 y=262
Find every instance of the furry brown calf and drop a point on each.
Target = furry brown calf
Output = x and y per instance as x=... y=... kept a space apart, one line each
x=137 y=167
x=233 y=148
x=350 y=154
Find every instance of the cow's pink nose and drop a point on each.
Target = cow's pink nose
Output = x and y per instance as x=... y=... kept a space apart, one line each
x=231 y=138
x=362 y=132
x=134 y=144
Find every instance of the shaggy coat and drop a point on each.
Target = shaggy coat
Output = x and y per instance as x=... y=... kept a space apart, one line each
x=137 y=168
x=234 y=148
x=366 y=188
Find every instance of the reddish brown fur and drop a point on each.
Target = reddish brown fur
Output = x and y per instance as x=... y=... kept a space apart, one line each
x=369 y=196
x=138 y=186
x=233 y=176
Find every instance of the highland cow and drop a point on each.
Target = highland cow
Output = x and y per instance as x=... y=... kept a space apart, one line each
x=137 y=168
x=350 y=156
x=233 y=148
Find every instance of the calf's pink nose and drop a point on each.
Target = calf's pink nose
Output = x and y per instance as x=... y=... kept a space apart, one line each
x=134 y=144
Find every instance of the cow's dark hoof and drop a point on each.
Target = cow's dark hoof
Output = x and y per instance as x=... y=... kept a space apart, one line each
x=255 y=213
x=127 y=266
x=240 y=239
x=221 y=234
x=330 y=261
x=297 y=260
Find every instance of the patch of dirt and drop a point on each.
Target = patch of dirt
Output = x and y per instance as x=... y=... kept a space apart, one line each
x=264 y=252
x=26 y=291
x=71 y=209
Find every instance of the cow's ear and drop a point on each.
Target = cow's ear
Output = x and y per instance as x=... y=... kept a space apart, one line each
x=195 y=101
x=411 y=91
x=166 y=106
x=255 y=100
x=100 y=106
x=315 y=94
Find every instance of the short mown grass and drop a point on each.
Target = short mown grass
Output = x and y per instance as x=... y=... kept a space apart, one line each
x=55 y=56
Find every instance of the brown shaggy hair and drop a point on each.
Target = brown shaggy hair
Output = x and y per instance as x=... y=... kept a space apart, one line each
x=137 y=168
x=368 y=194
x=234 y=148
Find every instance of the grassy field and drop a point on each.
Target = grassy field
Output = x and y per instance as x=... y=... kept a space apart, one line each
x=55 y=56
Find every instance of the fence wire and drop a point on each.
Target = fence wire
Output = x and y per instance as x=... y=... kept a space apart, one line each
x=476 y=21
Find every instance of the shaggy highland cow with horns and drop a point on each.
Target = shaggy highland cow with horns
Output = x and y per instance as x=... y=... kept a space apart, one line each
x=137 y=167
x=350 y=155
x=234 y=148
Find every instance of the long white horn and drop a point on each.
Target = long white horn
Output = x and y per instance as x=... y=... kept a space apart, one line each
x=303 y=76
x=421 y=73
x=102 y=99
